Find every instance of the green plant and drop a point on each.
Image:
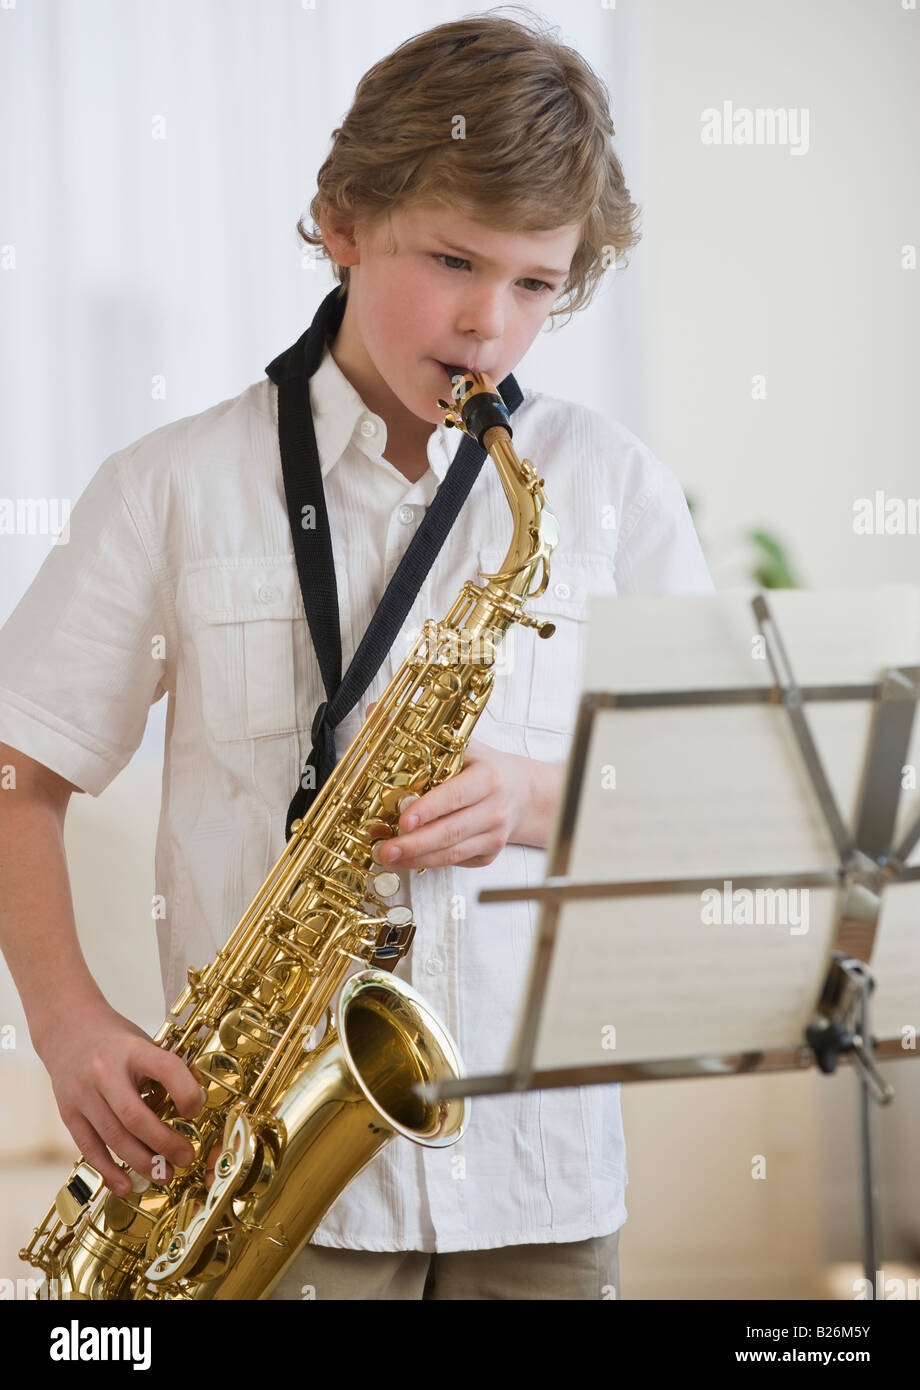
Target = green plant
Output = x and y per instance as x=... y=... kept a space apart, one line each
x=774 y=571
x=771 y=568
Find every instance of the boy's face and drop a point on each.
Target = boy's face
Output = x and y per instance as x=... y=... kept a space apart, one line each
x=455 y=291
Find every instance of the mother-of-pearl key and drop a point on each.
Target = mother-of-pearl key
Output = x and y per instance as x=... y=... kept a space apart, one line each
x=385 y=885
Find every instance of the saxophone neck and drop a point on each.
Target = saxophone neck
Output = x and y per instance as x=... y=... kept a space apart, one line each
x=482 y=414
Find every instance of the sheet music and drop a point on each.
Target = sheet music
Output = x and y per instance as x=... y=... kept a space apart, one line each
x=670 y=986
x=895 y=1003
x=704 y=790
x=716 y=793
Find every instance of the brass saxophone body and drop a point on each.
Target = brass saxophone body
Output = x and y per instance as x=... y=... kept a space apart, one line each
x=295 y=1110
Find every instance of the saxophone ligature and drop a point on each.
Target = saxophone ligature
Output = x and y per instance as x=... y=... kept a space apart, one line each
x=307 y=1066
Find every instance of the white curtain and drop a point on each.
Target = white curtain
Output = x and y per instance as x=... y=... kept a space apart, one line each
x=156 y=160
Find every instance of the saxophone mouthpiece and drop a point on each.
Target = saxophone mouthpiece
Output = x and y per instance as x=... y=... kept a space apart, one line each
x=478 y=406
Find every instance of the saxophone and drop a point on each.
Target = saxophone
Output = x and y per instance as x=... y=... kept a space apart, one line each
x=301 y=1088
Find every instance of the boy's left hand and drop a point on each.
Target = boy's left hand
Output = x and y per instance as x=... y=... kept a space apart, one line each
x=469 y=818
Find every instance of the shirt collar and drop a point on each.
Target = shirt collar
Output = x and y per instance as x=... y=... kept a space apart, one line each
x=339 y=412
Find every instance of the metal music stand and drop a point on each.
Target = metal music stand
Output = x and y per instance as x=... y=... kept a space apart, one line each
x=868 y=862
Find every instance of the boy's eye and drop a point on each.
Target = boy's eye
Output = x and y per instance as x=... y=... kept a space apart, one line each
x=541 y=286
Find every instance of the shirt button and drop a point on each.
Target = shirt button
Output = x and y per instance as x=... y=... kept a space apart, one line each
x=368 y=428
x=407 y=514
x=562 y=590
x=434 y=965
x=267 y=593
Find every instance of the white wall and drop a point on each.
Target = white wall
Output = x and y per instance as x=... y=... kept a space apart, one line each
x=764 y=261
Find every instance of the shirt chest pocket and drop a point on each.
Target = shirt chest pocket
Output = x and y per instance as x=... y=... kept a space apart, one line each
x=537 y=681
x=247 y=624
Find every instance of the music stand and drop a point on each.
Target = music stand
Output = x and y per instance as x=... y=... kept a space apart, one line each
x=830 y=985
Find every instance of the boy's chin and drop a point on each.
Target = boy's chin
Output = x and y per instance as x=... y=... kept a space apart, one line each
x=434 y=384
x=431 y=383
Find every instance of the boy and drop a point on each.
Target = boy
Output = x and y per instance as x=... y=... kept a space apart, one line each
x=436 y=208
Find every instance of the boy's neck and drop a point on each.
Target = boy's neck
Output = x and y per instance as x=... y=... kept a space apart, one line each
x=412 y=466
x=407 y=435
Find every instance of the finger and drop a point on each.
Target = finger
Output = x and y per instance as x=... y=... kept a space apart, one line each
x=115 y=1137
x=94 y=1151
x=482 y=848
x=184 y=1091
x=119 y=1141
x=463 y=789
x=440 y=834
x=370 y=710
x=140 y=1121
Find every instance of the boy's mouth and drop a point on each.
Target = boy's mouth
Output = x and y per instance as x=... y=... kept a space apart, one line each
x=452 y=369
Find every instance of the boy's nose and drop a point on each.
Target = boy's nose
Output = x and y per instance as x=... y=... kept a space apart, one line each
x=483 y=315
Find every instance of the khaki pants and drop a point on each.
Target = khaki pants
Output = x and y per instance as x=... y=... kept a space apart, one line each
x=581 y=1269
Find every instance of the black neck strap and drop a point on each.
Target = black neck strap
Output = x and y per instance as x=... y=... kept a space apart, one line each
x=306 y=502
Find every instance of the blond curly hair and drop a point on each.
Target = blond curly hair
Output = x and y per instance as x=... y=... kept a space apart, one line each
x=534 y=142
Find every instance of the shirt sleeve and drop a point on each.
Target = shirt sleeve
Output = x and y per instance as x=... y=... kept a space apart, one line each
x=659 y=551
x=83 y=655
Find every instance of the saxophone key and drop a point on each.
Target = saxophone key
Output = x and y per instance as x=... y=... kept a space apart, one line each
x=446 y=686
x=81 y=1187
x=308 y=934
x=351 y=880
x=385 y=885
x=221 y=1077
x=396 y=787
x=135 y=1216
x=189 y=1131
x=245 y=1031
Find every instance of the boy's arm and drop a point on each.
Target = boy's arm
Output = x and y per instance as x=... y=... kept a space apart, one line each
x=44 y=958
x=96 y=1058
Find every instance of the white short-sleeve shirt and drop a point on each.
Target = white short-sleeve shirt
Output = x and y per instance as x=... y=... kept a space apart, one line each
x=179 y=579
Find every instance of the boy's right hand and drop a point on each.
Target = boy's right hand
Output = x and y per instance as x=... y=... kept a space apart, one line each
x=97 y=1060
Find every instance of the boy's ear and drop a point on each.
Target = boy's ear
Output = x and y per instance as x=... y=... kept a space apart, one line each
x=339 y=235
